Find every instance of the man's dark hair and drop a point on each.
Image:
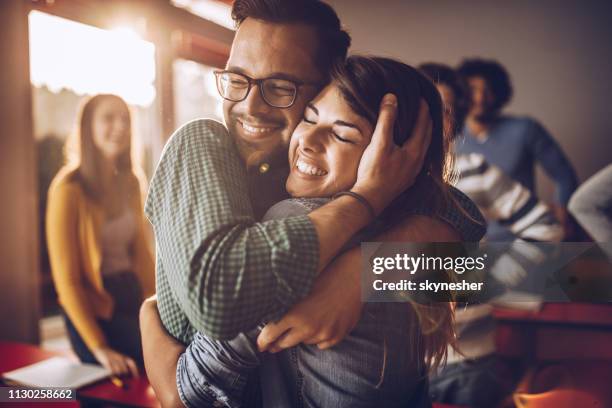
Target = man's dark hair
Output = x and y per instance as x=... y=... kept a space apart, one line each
x=445 y=75
x=333 y=40
x=494 y=73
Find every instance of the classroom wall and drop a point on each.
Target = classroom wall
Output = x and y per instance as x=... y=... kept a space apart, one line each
x=557 y=51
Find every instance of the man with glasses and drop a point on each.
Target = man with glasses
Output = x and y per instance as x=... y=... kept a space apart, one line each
x=221 y=273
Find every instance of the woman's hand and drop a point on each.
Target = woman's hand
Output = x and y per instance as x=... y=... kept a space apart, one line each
x=117 y=363
x=326 y=316
x=386 y=169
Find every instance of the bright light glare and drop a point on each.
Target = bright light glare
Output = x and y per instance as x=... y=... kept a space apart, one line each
x=215 y=11
x=89 y=60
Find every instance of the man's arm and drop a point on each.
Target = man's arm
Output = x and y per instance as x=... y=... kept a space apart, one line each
x=227 y=272
x=224 y=270
x=549 y=154
x=504 y=200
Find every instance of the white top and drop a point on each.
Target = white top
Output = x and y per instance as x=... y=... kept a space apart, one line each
x=117 y=236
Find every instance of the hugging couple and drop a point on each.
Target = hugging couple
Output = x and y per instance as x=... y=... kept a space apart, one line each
x=258 y=259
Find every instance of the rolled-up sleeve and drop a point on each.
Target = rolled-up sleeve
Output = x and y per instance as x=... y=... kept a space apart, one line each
x=225 y=271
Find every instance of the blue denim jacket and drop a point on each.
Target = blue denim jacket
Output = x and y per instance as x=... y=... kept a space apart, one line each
x=379 y=363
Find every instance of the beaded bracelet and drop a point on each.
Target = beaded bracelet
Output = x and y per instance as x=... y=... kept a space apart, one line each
x=359 y=198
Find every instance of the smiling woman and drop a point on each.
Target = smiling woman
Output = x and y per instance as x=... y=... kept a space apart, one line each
x=100 y=261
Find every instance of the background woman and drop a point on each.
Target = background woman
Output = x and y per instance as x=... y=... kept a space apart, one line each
x=383 y=361
x=101 y=265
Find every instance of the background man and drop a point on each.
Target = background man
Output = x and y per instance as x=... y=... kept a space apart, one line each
x=514 y=144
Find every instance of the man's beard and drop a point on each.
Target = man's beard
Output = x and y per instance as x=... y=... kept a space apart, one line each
x=271 y=149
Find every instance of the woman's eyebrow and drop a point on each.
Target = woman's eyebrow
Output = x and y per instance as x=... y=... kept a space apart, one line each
x=347 y=124
x=311 y=106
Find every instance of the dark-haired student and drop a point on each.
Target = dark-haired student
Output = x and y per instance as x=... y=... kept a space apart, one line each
x=514 y=144
x=476 y=376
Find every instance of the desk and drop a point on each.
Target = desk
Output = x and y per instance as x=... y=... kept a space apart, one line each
x=138 y=394
x=556 y=332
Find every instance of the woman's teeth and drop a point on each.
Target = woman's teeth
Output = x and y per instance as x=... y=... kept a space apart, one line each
x=254 y=129
x=309 y=169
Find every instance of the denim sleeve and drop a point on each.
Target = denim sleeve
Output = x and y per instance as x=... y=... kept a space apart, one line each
x=549 y=154
x=215 y=372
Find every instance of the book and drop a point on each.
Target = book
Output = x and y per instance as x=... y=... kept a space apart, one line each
x=60 y=372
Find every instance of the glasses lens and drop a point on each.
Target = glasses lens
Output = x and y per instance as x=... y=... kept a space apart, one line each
x=232 y=86
x=279 y=92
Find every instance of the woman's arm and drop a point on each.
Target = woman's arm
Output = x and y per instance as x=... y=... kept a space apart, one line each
x=333 y=307
x=205 y=372
x=161 y=354
x=63 y=245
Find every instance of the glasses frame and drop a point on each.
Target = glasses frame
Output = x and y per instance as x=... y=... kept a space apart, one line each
x=253 y=82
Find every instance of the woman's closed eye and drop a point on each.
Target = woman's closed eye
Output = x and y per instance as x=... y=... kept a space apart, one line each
x=309 y=117
x=342 y=139
x=311 y=114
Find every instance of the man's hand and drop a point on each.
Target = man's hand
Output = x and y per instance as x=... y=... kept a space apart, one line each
x=385 y=169
x=161 y=353
x=562 y=215
x=331 y=311
x=117 y=363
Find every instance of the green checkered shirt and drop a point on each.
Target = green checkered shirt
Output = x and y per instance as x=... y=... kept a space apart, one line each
x=217 y=270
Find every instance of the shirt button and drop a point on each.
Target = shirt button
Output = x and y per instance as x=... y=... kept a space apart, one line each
x=264 y=167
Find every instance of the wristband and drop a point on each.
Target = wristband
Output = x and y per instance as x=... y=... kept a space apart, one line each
x=359 y=198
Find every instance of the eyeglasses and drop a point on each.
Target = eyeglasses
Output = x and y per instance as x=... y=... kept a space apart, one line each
x=276 y=92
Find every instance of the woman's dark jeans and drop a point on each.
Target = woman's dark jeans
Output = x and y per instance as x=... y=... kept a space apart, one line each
x=122 y=331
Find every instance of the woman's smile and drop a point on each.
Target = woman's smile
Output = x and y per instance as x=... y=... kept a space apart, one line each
x=326 y=147
x=309 y=169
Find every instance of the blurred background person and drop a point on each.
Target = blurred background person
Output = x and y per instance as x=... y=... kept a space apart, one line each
x=500 y=198
x=101 y=264
x=477 y=376
x=591 y=204
x=514 y=144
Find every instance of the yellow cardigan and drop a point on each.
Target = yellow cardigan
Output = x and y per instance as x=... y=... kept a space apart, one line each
x=73 y=223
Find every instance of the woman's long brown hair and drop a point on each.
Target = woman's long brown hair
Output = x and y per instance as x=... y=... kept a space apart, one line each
x=362 y=82
x=86 y=158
